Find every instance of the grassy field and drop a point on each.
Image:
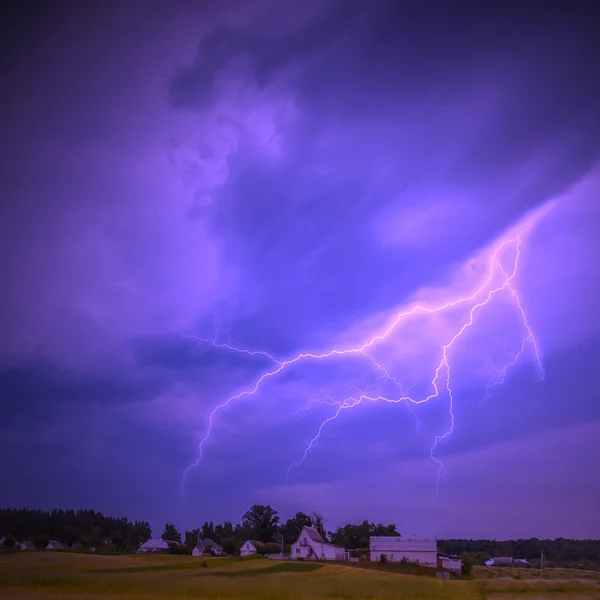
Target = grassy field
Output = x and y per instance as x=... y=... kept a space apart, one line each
x=45 y=576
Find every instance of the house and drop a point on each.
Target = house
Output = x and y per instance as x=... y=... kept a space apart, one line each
x=451 y=563
x=521 y=562
x=310 y=545
x=400 y=549
x=250 y=547
x=499 y=561
x=154 y=545
x=54 y=545
x=27 y=546
x=76 y=547
x=207 y=546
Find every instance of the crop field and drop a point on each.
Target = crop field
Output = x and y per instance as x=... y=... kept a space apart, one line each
x=46 y=576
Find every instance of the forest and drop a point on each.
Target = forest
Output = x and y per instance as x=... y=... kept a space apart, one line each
x=92 y=529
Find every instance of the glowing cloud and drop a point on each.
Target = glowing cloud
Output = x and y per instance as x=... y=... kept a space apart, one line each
x=423 y=336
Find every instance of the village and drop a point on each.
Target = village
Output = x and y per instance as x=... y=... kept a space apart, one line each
x=310 y=545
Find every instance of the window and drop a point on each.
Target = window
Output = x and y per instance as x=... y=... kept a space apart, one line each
x=297 y=550
x=305 y=542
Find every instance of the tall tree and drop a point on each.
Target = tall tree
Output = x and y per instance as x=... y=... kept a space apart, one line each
x=170 y=533
x=261 y=523
x=291 y=529
x=192 y=538
x=208 y=530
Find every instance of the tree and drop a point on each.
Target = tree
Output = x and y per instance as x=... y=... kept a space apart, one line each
x=467 y=564
x=171 y=534
x=70 y=534
x=208 y=531
x=192 y=538
x=261 y=522
x=231 y=545
x=291 y=529
x=319 y=521
x=223 y=531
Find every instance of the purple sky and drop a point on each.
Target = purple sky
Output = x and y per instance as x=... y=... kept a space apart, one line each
x=288 y=177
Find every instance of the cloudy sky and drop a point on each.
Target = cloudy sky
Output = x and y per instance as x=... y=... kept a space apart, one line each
x=196 y=195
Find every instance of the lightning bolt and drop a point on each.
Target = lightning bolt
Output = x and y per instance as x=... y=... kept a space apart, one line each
x=440 y=384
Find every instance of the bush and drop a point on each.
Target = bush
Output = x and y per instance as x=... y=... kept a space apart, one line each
x=467 y=564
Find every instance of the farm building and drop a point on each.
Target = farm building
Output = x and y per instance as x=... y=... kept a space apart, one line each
x=452 y=563
x=27 y=546
x=54 y=545
x=207 y=546
x=499 y=561
x=398 y=549
x=310 y=545
x=250 y=547
x=154 y=545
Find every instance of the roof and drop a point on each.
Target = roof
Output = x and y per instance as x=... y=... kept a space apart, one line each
x=402 y=544
x=155 y=543
x=314 y=535
x=255 y=543
x=28 y=545
x=502 y=560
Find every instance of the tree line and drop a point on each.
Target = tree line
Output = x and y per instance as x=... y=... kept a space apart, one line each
x=262 y=523
x=89 y=528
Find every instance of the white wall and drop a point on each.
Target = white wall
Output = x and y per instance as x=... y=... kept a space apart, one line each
x=452 y=564
x=247 y=549
x=427 y=559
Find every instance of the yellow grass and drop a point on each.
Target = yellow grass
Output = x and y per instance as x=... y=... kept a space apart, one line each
x=45 y=576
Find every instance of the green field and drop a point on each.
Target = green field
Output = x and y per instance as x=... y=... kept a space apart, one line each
x=43 y=575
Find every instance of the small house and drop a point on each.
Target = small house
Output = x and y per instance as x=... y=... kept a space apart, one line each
x=311 y=545
x=250 y=547
x=400 y=549
x=155 y=545
x=451 y=563
x=25 y=546
x=207 y=546
x=54 y=545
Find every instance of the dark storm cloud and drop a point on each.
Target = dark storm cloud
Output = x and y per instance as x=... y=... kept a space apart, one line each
x=278 y=176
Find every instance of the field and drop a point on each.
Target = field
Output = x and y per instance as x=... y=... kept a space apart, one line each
x=46 y=576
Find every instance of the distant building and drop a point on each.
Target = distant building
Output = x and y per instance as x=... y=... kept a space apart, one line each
x=310 y=545
x=500 y=561
x=207 y=546
x=155 y=545
x=54 y=545
x=451 y=563
x=250 y=547
x=27 y=546
x=76 y=547
x=522 y=562
x=398 y=549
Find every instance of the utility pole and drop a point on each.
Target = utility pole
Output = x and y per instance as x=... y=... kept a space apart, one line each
x=282 y=544
x=541 y=563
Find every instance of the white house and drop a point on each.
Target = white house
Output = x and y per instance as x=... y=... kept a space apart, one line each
x=154 y=545
x=54 y=545
x=310 y=545
x=250 y=547
x=451 y=563
x=398 y=549
x=207 y=546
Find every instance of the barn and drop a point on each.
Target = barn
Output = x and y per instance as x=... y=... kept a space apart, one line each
x=399 y=549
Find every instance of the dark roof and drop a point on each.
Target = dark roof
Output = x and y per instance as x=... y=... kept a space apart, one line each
x=255 y=543
x=314 y=535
